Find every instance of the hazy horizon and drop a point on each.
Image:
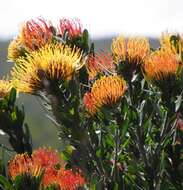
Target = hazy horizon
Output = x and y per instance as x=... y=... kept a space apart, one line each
x=140 y=17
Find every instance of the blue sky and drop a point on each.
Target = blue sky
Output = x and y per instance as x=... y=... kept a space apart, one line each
x=102 y=18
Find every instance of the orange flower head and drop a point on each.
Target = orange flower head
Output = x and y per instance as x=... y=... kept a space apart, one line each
x=53 y=62
x=69 y=180
x=161 y=64
x=119 y=49
x=46 y=157
x=100 y=63
x=36 y=33
x=105 y=91
x=5 y=87
x=23 y=164
x=134 y=49
x=72 y=26
x=137 y=49
x=50 y=177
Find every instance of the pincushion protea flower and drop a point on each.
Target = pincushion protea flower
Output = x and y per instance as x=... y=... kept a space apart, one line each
x=72 y=26
x=46 y=157
x=137 y=49
x=23 y=164
x=165 y=41
x=34 y=34
x=63 y=179
x=105 y=91
x=172 y=42
x=100 y=63
x=90 y=102
x=16 y=49
x=161 y=64
x=25 y=78
x=45 y=161
x=5 y=87
x=134 y=50
x=119 y=48
x=69 y=179
x=50 y=177
x=54 y=61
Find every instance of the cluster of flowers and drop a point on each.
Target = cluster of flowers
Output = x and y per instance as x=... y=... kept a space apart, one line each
x=155 y=65
x=48 y=162
x=40 y=51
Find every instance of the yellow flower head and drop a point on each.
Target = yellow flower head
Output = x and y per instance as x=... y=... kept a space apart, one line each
x=23 y=164
x=166 y=43
x=105 y=91
x=25 y=77
x=100 y=63
x=16 y=49
x=54 y=61
x=5 y=87
x=134 y=49
x=160 y=64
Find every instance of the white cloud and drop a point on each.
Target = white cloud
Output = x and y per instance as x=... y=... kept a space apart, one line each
x=110 y=17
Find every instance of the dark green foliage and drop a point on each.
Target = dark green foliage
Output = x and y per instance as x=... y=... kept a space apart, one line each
x=12 y=123
x=22 y=182
x=134 y=144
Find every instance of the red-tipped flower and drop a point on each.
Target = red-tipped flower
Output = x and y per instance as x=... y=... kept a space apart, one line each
x=69 y=180
x=89 y=101
x=50 y=177
x=46 y=157
x=46 y=161
x=100 y=63
x=72 y=26
x=36 y=33
x=23 y=164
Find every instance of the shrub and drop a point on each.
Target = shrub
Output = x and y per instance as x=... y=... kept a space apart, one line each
x=120 y=112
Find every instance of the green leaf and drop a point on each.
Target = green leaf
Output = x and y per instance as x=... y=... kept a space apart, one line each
x=125 y=127
x=12 y=97
x=85 y=39
x=13 y=116
x=6 y=184
x=110 y=140
x=116 y=186
x=92 y=49
x=65 y=156
x=98 y=153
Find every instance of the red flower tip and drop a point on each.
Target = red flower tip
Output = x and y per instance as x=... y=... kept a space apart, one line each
x=72 y=26
x=69 y=180
x=46 y=157
x=50 y=177
x=36 y=33
x=101 y=62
